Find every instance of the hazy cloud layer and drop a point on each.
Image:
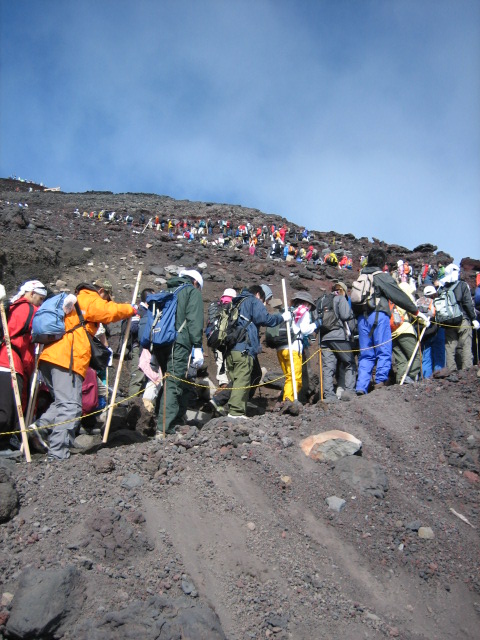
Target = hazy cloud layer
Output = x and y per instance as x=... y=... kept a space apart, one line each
x=356 y=117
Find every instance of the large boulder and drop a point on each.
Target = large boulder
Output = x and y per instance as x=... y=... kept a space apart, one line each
x=8 y=497
x=44 y=602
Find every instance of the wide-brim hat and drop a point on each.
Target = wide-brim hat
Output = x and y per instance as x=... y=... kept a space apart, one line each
x=304 y=296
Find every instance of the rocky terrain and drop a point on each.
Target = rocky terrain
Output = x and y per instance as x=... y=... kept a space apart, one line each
x=225 y=531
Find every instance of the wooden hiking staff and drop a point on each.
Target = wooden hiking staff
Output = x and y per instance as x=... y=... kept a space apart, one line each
x=413 y=355
x=289 y=338
x=16 y=391
x=120 y=363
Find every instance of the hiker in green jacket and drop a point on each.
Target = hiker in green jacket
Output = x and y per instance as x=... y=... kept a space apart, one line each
x=174 y=359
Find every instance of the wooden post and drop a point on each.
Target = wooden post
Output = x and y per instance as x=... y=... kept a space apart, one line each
x=120 y=363
x=16 y=392
x=289 y=338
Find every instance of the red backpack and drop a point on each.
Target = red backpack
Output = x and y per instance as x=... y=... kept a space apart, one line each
x=89 y=392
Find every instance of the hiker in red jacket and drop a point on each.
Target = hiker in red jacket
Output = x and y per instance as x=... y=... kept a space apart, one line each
x=20 y=315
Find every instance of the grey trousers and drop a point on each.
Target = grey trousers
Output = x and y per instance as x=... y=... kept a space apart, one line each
x=333 y=352
x=66 y=388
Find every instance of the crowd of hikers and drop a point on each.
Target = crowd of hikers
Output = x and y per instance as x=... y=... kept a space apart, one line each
x=381 y=329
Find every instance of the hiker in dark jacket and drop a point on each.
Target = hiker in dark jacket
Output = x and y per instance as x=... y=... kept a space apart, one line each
x=137 y=377
x=375 y=336
x=187 y=349
x=253 y=315
x=337 y=350
x=458 y=340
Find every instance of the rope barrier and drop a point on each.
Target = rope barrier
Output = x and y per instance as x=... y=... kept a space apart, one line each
x=202 y=386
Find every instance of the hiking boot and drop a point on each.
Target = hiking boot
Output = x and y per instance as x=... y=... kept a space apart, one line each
x=37 y=443
x=15 y=443
x=340 y=392
x=347 y=395
x=380 y=385
x=331 y=400
x=217 y=408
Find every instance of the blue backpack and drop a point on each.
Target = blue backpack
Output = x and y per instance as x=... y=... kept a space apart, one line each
x=49 y=322
x=159 y=328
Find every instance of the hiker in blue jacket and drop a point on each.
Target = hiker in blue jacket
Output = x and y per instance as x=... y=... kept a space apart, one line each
x=239 y=360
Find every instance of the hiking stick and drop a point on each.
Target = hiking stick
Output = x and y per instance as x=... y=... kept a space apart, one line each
x=321 y=373
x=164 y=406
x=16 y=392
x=120 y=363
x=289 y=338
x=33 y=389
x=147 y=225
x=410 y=362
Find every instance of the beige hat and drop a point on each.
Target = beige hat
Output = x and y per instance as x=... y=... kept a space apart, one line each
x=342 y=285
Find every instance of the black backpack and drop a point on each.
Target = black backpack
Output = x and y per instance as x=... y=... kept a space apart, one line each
x=224 y=331
x=326 y=313
x=277 y=336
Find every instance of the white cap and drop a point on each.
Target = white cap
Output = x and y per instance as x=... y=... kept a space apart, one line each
x=429 y=290
x=451 y=274
x=229 y=293
x=192 y=273
x=31 y=285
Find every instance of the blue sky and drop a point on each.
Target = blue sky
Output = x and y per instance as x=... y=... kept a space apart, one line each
x=360 y=116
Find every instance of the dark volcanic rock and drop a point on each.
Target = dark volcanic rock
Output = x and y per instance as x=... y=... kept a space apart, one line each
x=45 y=601
x=8 y=497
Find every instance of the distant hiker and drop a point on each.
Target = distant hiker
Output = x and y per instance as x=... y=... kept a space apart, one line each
x=20 y=312
x=336 y=340
x=187 y=348
x=373 y=316
x=64 y=363
x=240 y=359
x=458 y=339
x=302 y=326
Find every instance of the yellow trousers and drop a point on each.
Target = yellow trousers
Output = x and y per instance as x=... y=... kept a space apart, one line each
x=284 y=360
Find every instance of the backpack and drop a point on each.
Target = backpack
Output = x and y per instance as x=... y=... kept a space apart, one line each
x=49 y=322
x=159 y=329
x=226 y=333
x=447 y=308
x=89 y=392
x=8 y=310
x=326 y=313
x=426 y=306
x=277 y=336
x=363 y=296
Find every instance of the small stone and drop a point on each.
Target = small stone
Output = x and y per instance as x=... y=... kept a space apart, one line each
x=414 y=525
x=287 y=480
x=426 y=533
x=471 y=476
x=251 y=526
x=335 y=503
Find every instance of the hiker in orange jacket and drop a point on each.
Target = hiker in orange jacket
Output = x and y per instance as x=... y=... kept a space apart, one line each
x=64 y=363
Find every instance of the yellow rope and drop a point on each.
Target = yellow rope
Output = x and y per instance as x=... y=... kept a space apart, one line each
x=191 y=383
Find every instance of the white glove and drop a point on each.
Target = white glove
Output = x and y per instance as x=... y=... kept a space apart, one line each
x=197 y=357
x=287 y=316
x=476 y=325
x=425 y=320
x=110 y=362
x=69 y=303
